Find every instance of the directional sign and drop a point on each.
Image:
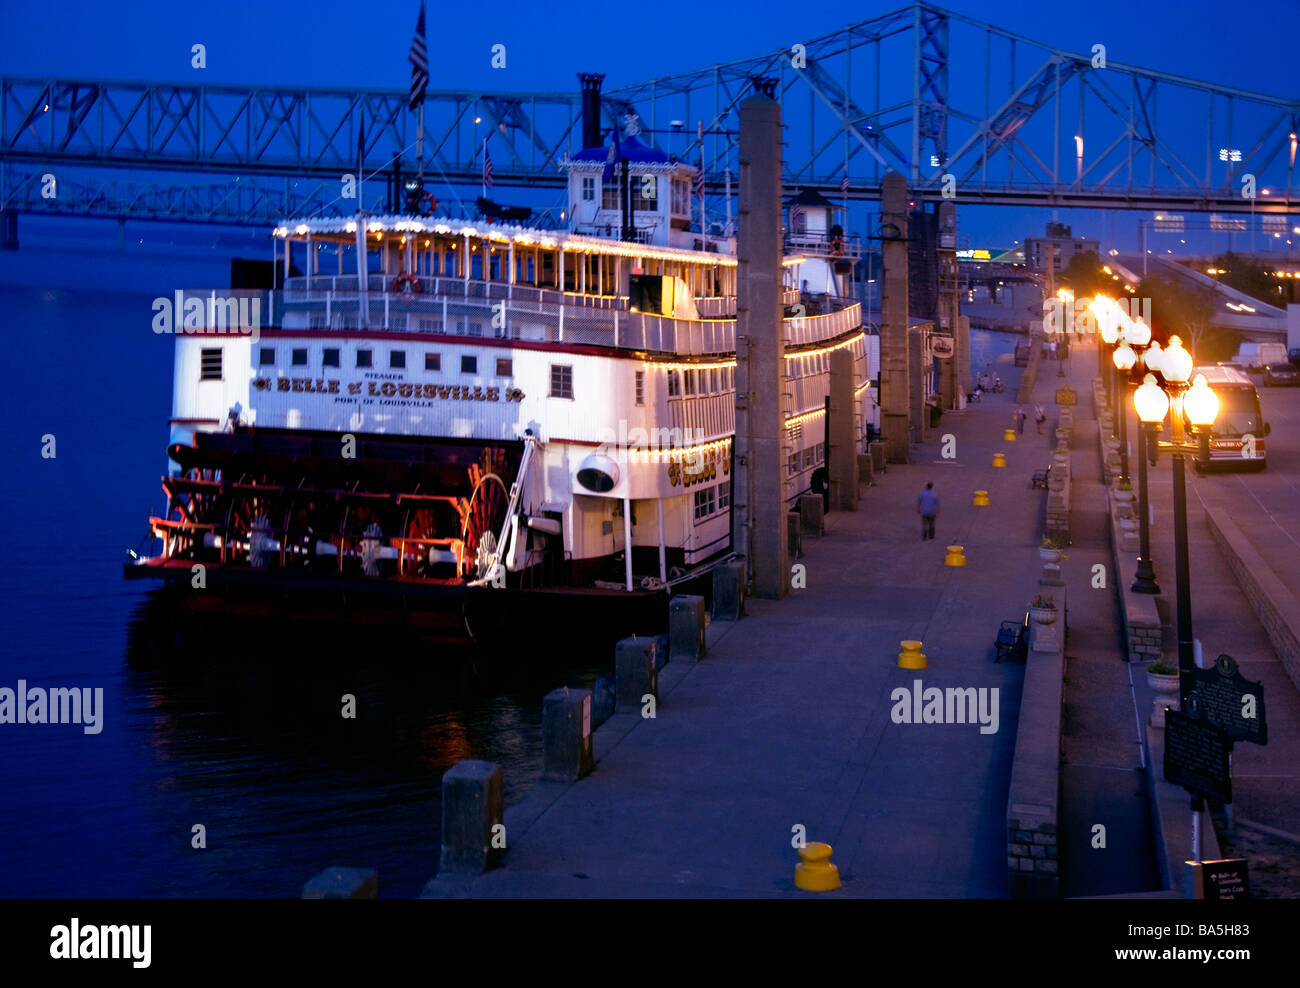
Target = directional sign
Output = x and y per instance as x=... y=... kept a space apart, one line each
x=1196 y=756
x=1225 y=698
x=1224 y=880
x=1168 y=223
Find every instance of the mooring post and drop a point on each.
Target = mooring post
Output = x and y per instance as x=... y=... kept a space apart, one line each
x=566 y=734
x=636 y=672
x=473 y=812
x=686 y=627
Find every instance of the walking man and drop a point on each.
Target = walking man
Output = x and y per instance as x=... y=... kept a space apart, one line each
x=1040 y=416
x=927 y=503
x=1020 y=419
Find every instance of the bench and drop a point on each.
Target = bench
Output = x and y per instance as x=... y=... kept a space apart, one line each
x=1040 y=478
x=1012 y=640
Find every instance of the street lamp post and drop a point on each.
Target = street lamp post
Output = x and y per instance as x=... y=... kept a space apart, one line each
x=1124 y=359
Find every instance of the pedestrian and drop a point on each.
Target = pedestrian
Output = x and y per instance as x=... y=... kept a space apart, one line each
x=1020 y=419
x=927 y=504
x=1040 y=416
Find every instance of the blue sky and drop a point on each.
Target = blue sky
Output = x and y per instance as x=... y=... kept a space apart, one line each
x=350 y=45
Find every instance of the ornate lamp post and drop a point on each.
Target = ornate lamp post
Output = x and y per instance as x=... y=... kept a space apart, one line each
x=1197 y=406
x=1151 y=404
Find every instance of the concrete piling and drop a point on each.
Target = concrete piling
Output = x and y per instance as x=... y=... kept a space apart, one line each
x=794 y=533
x=636 y=672
x=566 y=735
x=343 y=883
x=812 y=511
x=686 y=627
x=729 y=590
x=473 y=811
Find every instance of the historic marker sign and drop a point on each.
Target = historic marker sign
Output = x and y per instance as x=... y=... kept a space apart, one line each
x=1196 y=756
x=1066 y=396
x=1226 y=699
x=1224 y=880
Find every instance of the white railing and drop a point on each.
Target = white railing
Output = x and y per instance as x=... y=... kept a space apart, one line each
x=531 y=314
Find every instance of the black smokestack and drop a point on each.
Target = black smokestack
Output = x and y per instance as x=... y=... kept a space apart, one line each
x=591 y=108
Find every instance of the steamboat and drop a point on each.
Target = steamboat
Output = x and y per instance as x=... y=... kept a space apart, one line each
x=447 y=422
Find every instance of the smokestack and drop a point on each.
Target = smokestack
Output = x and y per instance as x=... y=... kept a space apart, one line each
x=591 y=108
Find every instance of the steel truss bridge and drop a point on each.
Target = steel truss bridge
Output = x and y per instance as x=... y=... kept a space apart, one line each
x=1011 y=120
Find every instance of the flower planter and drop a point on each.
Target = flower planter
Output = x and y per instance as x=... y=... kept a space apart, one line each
x=1049 y=555
x=1166 y=690
x=1046 y=615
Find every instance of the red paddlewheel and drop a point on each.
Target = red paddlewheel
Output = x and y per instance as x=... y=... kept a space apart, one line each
x=484 y=513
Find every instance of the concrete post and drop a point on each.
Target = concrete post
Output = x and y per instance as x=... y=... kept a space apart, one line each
x=566 y=735
x=961 y=348
x=812 y=510
x=636 y=672
x=918 y=420
x=729 y=591
x=759 y=495
x=343 y=883
x=794 y=533
x=895 y=391
x=686 y=627
x=844 y=448
x=473 y=808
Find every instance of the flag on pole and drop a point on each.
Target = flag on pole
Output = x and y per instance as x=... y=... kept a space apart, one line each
x=361 y=149
x=487 y=166
x=419 y=59
x=699 y=181
x=844 y=185
x=796 y=214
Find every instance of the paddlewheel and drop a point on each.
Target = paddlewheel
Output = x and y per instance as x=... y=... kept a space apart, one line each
x=483 y=514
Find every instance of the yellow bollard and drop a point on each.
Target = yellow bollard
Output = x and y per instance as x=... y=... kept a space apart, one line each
x=981 y=499
x=955 y=556
x=1009 y=435
x=815 y=873
x=911 y=656
x=999 y=459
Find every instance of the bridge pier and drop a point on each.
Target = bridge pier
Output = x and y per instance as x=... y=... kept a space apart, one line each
x=8 y=229
x=895 y=390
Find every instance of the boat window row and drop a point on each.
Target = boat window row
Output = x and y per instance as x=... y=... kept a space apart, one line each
x=801 y=460
x=693 y=381
x=365 y=358
x=710 y=500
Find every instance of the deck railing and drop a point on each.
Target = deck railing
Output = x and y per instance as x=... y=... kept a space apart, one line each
x=494 y=310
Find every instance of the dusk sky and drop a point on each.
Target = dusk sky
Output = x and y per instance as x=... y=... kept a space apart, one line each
x=347 y=45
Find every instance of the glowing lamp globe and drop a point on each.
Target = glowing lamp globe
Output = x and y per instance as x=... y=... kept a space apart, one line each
x=1150 y=400
x=1138 y=332
x=1107 y=314
x=1124 y=357
x=1175 y=362
x=1151 y=358
x=1201 y=404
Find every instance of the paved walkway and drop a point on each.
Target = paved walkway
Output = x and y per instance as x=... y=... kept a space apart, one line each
x=787 y=721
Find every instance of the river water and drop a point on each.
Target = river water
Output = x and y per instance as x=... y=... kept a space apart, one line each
x=240 y=733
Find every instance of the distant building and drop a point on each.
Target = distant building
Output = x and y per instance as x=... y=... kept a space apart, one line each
x=1037 y=249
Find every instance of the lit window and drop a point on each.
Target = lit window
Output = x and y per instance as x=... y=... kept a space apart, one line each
x=210 y=365
x=561 y=381
x=640 y=387
x=397 y=359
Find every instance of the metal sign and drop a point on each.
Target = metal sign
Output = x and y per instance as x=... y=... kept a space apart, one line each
x=1223 y=224
x=1196 y=756
x=941 y=346
x=1168 y=223
x=1224 y=880
x=1228 y=700
x=1066 y=396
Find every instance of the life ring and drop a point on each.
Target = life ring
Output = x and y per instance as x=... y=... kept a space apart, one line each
x=407 y=282
x=837 y=247
x=427 y=205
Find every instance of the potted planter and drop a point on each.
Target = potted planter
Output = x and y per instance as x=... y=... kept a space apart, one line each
x=1050 y=551
x=1043 y=610
x=1163 y=681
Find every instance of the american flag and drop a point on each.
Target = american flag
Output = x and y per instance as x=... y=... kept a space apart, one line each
x=419 y=59
x=844 y=186
x=795 y=214
x=487 y=167
x=699 y=181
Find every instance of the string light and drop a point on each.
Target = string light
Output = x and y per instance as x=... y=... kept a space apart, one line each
x=659 y=453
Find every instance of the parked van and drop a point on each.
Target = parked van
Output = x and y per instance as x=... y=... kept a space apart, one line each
x=1254 y=356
